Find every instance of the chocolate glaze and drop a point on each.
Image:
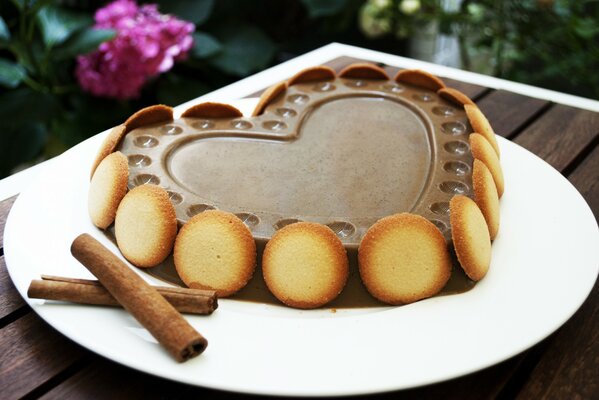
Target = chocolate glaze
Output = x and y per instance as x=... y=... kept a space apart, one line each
x=354 y=293
x=344 y=153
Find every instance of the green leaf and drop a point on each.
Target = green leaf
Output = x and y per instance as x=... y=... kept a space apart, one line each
x=196 y=11
x=83 y=42
x=31 y=6
x=176 y=89
x=4 y=32
x=324 y=8
x=28 y=55
x=586 y=28
x=20 y=144
x=85 y=117
x=23 y=104
x=69 y=129
x=57 y=25
x=11 y=73
x=204 y=45
x=19 y=4
x=245 y=49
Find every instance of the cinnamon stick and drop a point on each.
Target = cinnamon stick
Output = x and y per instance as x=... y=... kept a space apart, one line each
x=84 y=291
x=143 y=301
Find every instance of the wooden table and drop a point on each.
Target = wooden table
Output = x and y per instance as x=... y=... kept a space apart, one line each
x=37 y=361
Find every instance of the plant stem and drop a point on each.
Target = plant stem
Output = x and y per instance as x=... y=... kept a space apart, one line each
x=33 y=84
x=500 y=39
x=464 y=55
x=26 y=30
x=64 y=89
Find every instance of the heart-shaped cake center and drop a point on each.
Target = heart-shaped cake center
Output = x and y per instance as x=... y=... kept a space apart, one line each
x=345 y=153
x=352 y=157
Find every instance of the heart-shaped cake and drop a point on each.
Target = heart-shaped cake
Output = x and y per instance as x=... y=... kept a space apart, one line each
x=343 y=151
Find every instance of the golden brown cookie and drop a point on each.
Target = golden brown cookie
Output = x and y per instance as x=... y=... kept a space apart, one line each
x=107 y=188
x=148 y=116
x=419 y=78
x=480 y=124
x=215 y=250
x=146 y=226
x=312 y=74
x=485 y=195
x=363 y=71
x=212 y=110
x=470 y=236
x=455 y=96
x=305 y=265
x=404 y=258
x=269 y=96
x=482 y=150
x=109 y=144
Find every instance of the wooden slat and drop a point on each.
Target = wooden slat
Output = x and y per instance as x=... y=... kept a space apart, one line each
x=564 y=371
x=104 y=379
x=568 y=368
x=469 y=89
x=560 y=135
x=586 y=179
x=32 y=353
x=5 y=206
x=10 y=299
x=485 y=384
x=508 y=112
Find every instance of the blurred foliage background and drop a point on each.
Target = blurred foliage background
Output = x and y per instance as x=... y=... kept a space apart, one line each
x=43 y=111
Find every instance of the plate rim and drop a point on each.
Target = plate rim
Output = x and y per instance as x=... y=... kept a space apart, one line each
x=39 y=311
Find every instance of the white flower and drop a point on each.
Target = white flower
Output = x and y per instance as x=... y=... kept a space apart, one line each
x=371 y=23
x=381 y=4
x=409 y=7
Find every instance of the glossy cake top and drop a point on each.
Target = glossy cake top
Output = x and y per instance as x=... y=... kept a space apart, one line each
x=343 y=152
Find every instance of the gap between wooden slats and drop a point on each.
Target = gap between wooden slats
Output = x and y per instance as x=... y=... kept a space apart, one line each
x=10 y=299
x=468 y=383
x=566 y=367
x=5 y=206
x=32 y=354
x=103 y=374
x=560 y=135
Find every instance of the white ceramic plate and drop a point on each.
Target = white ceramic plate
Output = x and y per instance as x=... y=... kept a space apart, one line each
x=545 y=262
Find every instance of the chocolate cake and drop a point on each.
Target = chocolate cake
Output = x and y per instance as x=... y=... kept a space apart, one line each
x=343 y=150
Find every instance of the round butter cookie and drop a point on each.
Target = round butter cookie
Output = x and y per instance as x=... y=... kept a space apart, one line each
x=403 y=258
x=485 y=195
x=481 y=125
x=470 y=236
x=363 y=71
x=419 y=78
x=269 y=96
x=107 y=188
x=148 y=116
x=483 y=151
x=305 y=265
x=215 y=250
x=212 y=110
x=109 y=144
x=312 y=74
x=455 y=96
x=146 y=226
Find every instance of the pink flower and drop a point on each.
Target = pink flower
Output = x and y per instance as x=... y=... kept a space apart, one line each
x=147 y=44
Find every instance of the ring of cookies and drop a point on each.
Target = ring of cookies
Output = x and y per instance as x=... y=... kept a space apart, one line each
x=402 y=258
